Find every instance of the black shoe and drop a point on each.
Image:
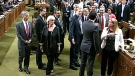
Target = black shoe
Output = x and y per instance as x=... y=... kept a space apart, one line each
x=77 y=65
x=57 y=63
x=43 y=64
x=27 y=71
x=59 y=59
x=73 y=67
x=20 y=69
x=42 y=68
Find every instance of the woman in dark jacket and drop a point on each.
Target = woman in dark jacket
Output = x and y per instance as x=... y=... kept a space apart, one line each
x=50 y=42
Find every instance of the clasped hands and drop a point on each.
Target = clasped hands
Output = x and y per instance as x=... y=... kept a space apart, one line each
x=28 y=41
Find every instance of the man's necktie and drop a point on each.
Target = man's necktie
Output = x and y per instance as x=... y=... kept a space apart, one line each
x=102 y=26
x=85 y=19
x=27 y=30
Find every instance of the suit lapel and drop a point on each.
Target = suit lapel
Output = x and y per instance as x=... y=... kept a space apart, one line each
x=22 y=25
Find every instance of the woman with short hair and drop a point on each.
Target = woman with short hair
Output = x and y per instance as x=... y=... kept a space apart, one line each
x=50 y=42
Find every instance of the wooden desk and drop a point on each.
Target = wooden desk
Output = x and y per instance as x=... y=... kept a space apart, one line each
x=125 y=65
x=12 y=19
x=132 y=33
x=2 y=30
x=7 y=21
x=38 y=5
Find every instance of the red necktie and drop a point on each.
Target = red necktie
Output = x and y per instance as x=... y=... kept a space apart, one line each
x=102 y=26
x=85 y=18
x=27 y=29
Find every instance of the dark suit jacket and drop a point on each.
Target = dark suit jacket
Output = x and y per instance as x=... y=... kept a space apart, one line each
x=99 y=20
x=66 y=14
x=22 y=36
x=83 y=18
x=74 y=30
x=58 y=0
x=126 y=13
x=39 y=26
x=71 y=6
x=1 y=10
x=57 y=23
x=90 y=40
x=54 y=40
x=131 y=5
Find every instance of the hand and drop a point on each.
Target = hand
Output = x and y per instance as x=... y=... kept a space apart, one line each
x=41 y=48
x=73 y=41
x=27 y=42
x=111 y=34
x=124 y=51
x=30 y=41
x=58 y=49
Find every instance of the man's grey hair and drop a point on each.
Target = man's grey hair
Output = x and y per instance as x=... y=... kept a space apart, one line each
x=24 y=12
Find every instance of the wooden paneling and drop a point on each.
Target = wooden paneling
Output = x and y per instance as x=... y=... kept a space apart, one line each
x=125 y=65
x=7 y=21
x=132 y=33
x=2 y=31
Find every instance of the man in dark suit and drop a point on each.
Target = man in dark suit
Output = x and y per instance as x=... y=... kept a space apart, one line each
x=76 y=1
x=123 y=12
x=75 y=38
x=58 y=23
x=71 y=3
x=131 y=5
x=85 y=14
x=112 y=5
x=24 y=33
x=59 y=4
x=40 y=23
x=90 y=44
x=65 y=17
x=51 y=5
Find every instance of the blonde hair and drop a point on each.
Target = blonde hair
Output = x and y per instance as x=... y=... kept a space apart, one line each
x=115 y=22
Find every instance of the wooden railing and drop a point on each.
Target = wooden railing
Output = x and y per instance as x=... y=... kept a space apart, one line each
x=2 y=27
x=9 y=18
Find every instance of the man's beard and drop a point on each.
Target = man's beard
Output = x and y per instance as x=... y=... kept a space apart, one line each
x=44 y=15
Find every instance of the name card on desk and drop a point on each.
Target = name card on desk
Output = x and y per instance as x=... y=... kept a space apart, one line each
x=1 y=16
x=9 y=10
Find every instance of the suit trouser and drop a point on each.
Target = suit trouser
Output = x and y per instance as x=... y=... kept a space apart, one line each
x=50 y=64
x=108 y=57
x=39 y=56
x=66 y=24
x=26 y=58
x=61 y=48
x=91 y=57
x=74 y=50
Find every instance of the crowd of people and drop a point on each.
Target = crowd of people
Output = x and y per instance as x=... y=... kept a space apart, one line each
x=85 y=21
